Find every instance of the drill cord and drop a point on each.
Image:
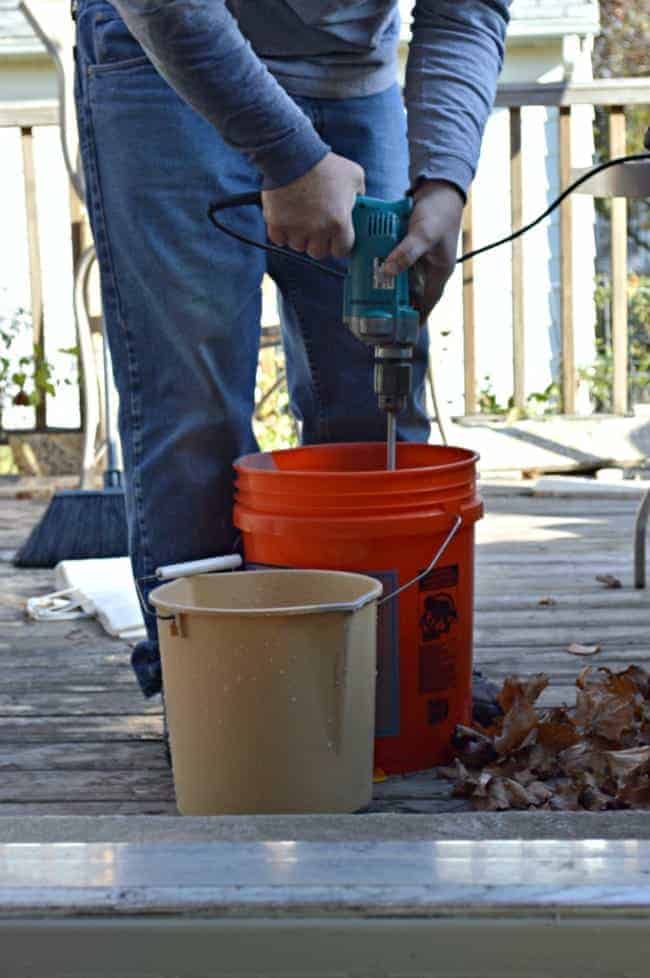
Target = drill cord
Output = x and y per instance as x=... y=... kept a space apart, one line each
x=256 y=198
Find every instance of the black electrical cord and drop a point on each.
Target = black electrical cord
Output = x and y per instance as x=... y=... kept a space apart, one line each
x=241 y=200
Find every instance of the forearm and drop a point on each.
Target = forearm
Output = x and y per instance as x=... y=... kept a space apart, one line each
x=454 y=62
x=198 y=48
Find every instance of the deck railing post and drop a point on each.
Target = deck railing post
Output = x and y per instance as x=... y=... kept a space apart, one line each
x=469 y=328
x=516 y=212
x=35 y=278
x=566 y=266
x=618 y=239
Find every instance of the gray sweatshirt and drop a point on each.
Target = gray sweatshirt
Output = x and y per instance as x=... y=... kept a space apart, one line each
x=239 y=62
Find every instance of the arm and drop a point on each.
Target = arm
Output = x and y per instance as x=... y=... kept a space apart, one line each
x=198 y=48
x=451 y=76
x=454 y=61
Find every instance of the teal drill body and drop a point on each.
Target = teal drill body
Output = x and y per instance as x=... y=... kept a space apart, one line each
x=377 y=307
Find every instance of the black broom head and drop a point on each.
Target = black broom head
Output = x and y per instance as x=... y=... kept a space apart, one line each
x=78 y=524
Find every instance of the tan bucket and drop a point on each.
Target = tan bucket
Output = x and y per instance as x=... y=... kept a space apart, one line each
x=269 y=681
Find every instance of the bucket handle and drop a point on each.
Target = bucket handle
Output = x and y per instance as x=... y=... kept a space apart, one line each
x=414 y=580
x=170 y=572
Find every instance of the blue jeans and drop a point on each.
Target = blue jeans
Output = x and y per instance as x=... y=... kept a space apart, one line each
x=182 y=301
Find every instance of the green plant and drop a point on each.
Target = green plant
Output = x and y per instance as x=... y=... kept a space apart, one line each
x=25 y=379
x=273 y=422
x=543 y=403
x=599 y=375
x=487 y=401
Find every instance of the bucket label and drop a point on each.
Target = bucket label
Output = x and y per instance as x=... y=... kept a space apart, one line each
x=387 y=716
x=438 y=636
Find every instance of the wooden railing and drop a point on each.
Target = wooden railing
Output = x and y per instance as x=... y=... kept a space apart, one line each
x=27 y=116
x=613 y=94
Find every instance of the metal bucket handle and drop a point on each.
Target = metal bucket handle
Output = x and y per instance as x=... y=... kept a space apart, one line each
x=234 y=562
x=414 y=580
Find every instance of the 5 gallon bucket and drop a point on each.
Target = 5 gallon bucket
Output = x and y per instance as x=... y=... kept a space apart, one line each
x=336 y=506
x=270 y=690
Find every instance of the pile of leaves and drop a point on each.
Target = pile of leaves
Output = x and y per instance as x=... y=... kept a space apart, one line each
x=594 y=756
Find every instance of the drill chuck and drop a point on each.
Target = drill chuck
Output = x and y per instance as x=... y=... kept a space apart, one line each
x=393 y=377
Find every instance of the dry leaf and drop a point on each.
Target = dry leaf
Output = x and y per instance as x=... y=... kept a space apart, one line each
x=565 y=797
x=518 y=722
x=636 y=794
x=608 y=580
x=556 y=730
x=514 y=687
x=603 y=714
x=576 y=649
x=547 y=602
x=594 y=757
x=539 y=792
x=625 y=764
x=593 y=799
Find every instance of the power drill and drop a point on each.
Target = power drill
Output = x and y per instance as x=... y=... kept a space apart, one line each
x=377 y=307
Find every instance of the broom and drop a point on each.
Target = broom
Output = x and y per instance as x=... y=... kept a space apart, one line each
x=81 y=523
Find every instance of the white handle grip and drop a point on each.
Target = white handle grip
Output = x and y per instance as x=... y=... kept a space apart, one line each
x=190 y=567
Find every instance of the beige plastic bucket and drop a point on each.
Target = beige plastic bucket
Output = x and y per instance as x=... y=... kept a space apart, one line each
x=269 y=681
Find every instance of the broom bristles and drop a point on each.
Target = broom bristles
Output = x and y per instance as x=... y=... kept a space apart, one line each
x=78 y=524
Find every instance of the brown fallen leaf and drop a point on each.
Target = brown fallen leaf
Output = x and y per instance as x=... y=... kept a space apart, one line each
x=576 y=649
x=474 y=748
x=593 y=799
x=582 y=757
x=547 y=602
x=565 y=797
x=518 y=722
x=603 y=714
x=636 y=794
x=539 y=792
x=624 y=764
x=608 y=580
x=556 y=730
x=515 y=686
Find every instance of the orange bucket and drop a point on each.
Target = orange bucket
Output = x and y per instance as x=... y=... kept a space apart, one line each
x=335 y=507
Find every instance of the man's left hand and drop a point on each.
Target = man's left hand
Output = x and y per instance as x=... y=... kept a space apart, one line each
x=431 y=241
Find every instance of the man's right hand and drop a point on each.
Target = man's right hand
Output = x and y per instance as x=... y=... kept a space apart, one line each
x=314 y=212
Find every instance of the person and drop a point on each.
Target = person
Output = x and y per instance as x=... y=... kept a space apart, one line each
x=181 y=102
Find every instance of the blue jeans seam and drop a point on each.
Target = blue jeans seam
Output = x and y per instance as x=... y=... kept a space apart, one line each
x=102 y=242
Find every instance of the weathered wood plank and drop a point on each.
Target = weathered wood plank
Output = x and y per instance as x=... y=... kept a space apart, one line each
x=601 y=91
x=469 y=310
x=35 y=274
x=65 y=702
x=87 y=756
x=618 y=244
x=46 y=729
x=517 y=274
x=143 y=807
x=15 y=786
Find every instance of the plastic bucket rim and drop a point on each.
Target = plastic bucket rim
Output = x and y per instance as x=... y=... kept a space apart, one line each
x=373 y=592
x=471 y=458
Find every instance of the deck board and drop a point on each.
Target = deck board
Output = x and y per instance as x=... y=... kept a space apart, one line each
x=77 y=737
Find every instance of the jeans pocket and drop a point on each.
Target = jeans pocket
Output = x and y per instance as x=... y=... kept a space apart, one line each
x=115 y=47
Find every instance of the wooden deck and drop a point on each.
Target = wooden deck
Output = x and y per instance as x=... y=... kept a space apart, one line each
x=76 y=736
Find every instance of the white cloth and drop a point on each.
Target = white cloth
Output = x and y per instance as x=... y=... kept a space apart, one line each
x=102 y=588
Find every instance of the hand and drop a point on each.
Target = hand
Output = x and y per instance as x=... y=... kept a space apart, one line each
x=314 y=212
x=431 y=241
